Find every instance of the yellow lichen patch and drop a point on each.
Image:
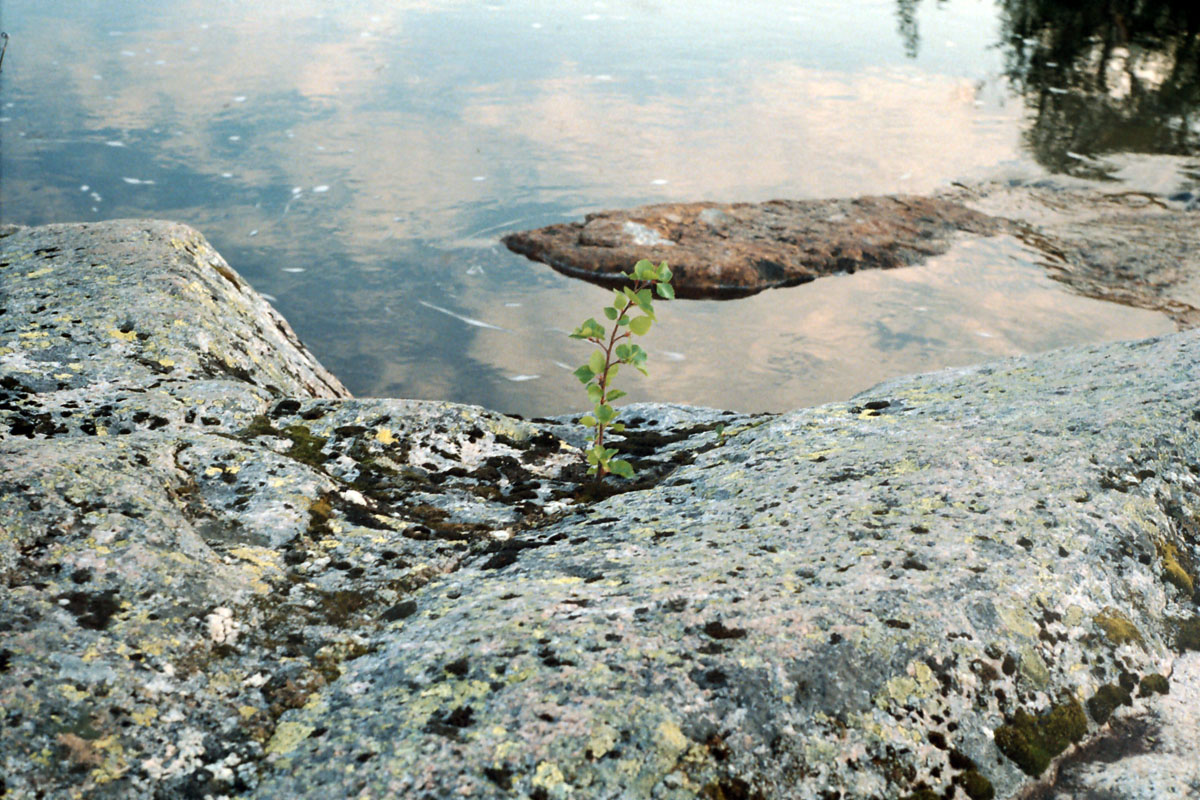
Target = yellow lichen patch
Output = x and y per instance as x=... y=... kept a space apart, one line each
x=125 y=337
x=384 y=436
x=166 y=362
x=211 y=471
x=602 y=740
x=287 y=736
x=144 y=716
x=247 y=712
x=261 y=557
x=1117 y=627
x=33 y=335
x=1017 y=621
x=671 y=741
x=38 y=273
x=1174 y=567
x=548 y=776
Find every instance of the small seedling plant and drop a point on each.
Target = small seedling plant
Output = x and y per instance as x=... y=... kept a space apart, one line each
x=612 y=351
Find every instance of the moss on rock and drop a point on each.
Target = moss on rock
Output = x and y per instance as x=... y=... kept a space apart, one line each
x=1032 y=741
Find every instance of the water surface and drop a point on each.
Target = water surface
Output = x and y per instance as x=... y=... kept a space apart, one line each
x=358 y=162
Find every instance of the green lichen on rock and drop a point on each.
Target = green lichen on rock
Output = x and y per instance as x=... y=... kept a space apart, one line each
x=1033 y=741
x=1104 y=702
x=976 y=786
x=1117 y=627
x=1187 y=633
x=1177 y=569
x=1153 y=684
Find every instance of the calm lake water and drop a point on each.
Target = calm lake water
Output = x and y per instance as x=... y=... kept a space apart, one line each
x=357 y=161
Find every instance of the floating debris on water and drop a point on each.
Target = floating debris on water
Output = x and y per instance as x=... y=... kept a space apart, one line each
x=469 y=320
x=241 y=98
x=293 y=269
x=660 y=181
x=254 y=232
x=84 y=188
x=137 y=181
x=319 y=189
x=523 y=378
x=115 y=143
x=235 y=138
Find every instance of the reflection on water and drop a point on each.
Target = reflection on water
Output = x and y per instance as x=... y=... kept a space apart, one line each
x=358 y=162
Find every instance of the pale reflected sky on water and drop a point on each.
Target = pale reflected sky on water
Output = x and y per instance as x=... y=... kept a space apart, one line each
x=353 y=159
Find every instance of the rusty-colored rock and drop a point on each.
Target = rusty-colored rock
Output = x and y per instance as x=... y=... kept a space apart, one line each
x=720 y=250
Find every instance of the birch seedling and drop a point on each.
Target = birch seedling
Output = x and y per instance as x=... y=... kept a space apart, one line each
x=611 y=352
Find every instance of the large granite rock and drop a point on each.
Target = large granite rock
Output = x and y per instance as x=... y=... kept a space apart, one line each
x=237 y=582
x=1129 y=247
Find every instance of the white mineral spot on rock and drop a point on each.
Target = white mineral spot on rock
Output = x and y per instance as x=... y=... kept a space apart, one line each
x=222 y=627
x=128 y=53
x=321 y=188
x=522 y=378
x=254 y=232
x=297 y=190
x=607 y=78
x=660 y=181
x=241 y=98
x=642 y=235
x=479 y=178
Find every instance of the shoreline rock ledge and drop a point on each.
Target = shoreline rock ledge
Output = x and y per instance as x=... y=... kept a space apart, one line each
x=221 y=576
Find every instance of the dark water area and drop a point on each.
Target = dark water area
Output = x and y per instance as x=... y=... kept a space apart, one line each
x=359 y=161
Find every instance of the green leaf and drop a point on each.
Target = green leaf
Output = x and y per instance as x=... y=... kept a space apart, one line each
x=621 y=300
x=623 y=351
x=584 y=374
x=617 y=427
x=612 y=373
x=623 y=321
x=596 y=362
x=595 y=454
x=644 y=270
x=605 y=413
x=621 y=467
x=615 y=394
x=593 y=393
x=664 y=272
x=665 y=290
x=640 y=325
x=611 y=312
x=588 y=421
x=644 y=301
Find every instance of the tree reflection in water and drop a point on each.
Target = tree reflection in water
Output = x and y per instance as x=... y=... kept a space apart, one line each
x=1098 y=77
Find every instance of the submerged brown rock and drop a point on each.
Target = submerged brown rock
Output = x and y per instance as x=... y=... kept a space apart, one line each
x=719 y=250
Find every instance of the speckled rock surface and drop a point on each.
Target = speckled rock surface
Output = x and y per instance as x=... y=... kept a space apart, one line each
x=952 y=586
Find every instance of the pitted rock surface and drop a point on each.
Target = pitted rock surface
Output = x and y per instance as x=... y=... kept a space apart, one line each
x=736 y=249
x=952 y=586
